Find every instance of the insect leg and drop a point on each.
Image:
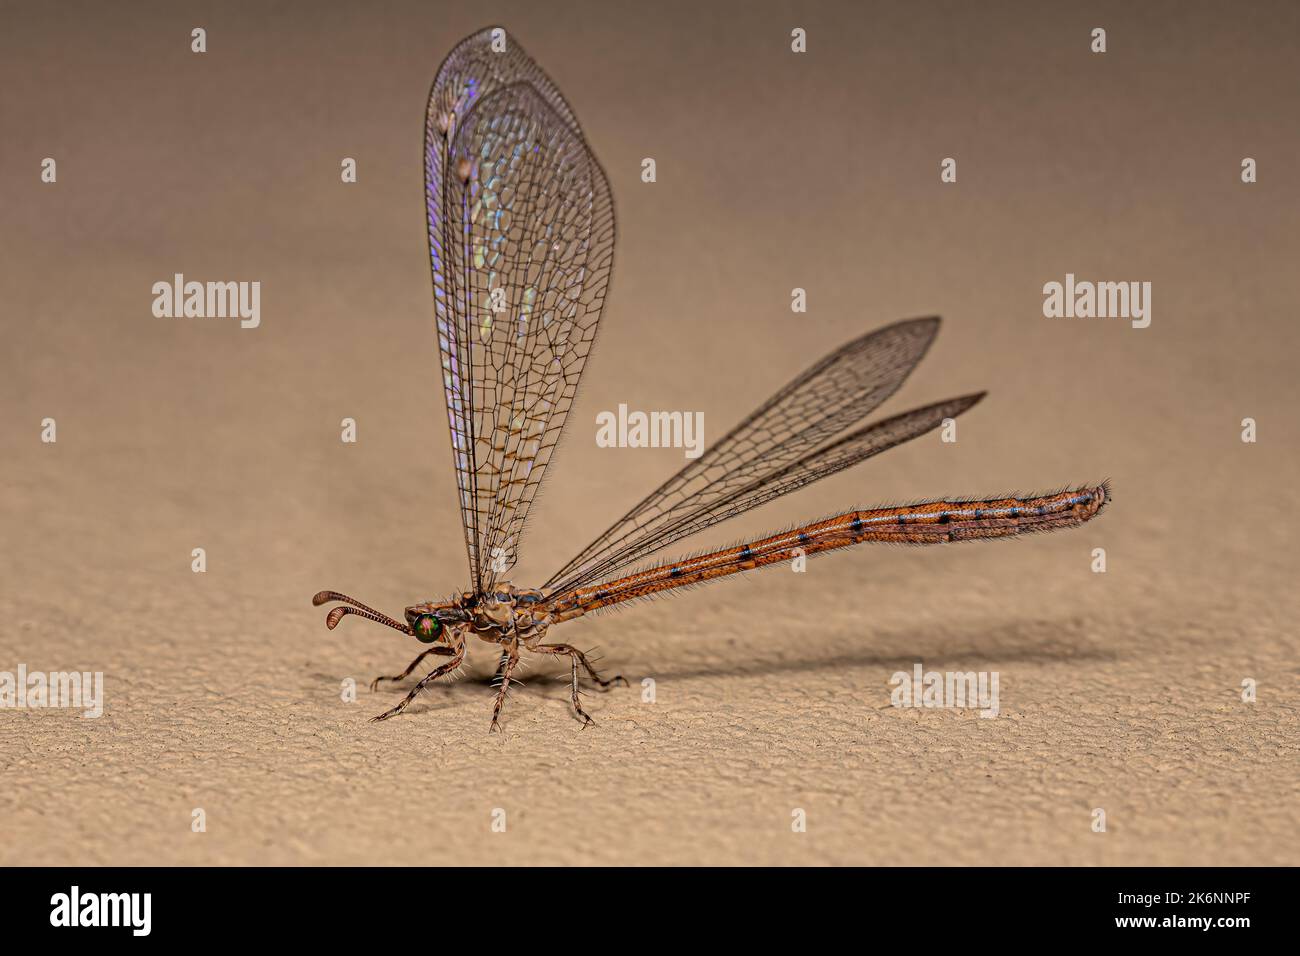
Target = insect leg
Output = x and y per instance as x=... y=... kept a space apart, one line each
x=576 y=657
x=509 y=658
x=439 y=649
x=501 y=666
x=434 y=674
x=581 y=658
x=586 y=717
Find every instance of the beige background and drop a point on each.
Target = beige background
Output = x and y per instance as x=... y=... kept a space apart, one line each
x=1119 y=691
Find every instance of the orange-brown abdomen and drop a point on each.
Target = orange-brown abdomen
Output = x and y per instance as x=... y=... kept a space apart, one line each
x=929 y=522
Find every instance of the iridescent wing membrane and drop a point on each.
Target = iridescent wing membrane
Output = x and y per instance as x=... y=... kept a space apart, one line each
x=521 y=240
x=786 y=444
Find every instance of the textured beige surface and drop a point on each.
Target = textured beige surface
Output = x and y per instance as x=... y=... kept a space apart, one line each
x=1119 y=691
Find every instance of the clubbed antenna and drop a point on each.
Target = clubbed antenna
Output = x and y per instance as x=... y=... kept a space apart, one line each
x=336 y=615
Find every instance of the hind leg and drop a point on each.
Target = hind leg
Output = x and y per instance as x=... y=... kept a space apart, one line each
x=581 y=658
x=576 y=657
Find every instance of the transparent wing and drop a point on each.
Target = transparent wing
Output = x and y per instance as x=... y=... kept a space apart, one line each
x=767 y=447
x=478 y=66
x=521 y=236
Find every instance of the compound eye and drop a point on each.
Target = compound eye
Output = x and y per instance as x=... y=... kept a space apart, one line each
x=427 y=628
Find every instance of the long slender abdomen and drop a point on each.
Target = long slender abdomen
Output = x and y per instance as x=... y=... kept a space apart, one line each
x=929 y=522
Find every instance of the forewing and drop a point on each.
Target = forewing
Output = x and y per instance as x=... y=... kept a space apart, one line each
x=478 y=66
x=821 y=403
x=529 y=256
x=521 y=234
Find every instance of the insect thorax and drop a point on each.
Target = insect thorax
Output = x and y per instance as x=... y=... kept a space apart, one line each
x=495 y=616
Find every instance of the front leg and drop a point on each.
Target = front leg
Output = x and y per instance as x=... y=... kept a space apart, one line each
x=439 y=649
x=447 y=668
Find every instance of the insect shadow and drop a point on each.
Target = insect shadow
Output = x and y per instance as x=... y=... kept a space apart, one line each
x=1022 y=642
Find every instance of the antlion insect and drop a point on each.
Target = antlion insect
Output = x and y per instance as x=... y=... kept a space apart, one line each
x=521 y=242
